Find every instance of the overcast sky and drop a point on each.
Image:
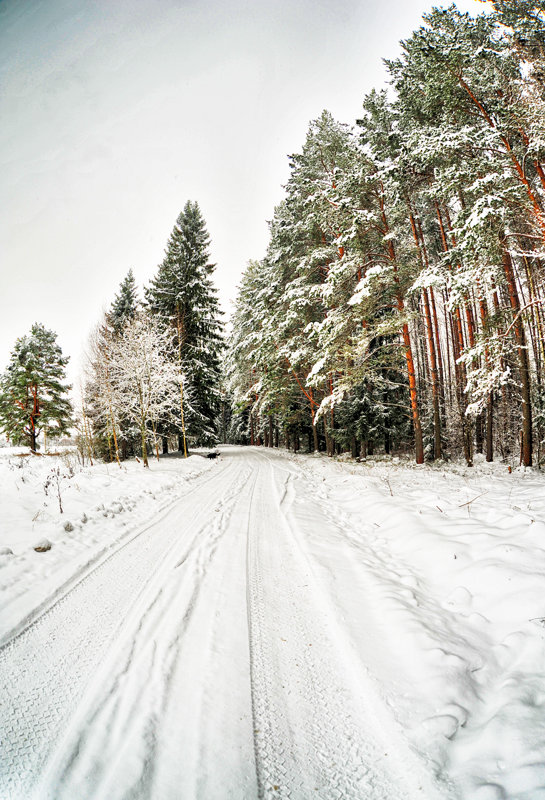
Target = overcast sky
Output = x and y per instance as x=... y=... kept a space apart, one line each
x=114 y=112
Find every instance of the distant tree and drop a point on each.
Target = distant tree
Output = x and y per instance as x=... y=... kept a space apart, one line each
x=183 y=297
x=125 y=304
x=112 y=436
x=144 y=378
x=33 y=395
x=98 y=396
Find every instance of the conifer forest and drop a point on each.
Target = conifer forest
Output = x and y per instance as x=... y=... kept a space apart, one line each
x=400 y=305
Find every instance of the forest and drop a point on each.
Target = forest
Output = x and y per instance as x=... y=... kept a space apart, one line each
x=399 y=307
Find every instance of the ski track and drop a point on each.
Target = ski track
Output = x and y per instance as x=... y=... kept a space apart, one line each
x=204 y=659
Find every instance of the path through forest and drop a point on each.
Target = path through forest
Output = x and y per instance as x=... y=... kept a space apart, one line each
x=208 y=657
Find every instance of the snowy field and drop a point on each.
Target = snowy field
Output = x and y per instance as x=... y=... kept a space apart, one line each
x=271 y=626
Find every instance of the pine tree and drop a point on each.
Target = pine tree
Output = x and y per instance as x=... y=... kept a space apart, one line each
x=32 y=389
x=184 y=298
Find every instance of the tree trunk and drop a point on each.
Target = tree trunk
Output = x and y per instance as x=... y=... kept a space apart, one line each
x=423 y=257
x=418 y=442
x=457 y=346
x=315 y=437
x=520 y=338
x=434 y=379
x=489 y=423
x=144 y=447
x=438 y=351
x=328 y=441
x=181 y=340
x=479 y=433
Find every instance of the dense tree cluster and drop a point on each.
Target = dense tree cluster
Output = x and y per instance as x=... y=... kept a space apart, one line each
x=154 y=366
x=400 y=304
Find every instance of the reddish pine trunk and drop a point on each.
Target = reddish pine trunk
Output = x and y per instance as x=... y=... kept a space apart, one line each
x=434 y=378
x=418 y=441
x=483 y=307
x=458 y=349
x=421 y=249
x=413 y=394
x=438 y=350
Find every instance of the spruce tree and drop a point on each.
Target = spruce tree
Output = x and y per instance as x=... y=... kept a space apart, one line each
x=32 y=389
x=183 y=296
x=125 y=303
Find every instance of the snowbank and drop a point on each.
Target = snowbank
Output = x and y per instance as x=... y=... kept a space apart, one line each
x=101 y=506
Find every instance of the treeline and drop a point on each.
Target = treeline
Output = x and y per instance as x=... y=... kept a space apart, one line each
x=400 y=304
x=153 y=373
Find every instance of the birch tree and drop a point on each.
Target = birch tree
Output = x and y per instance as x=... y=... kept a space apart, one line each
x=145 y=378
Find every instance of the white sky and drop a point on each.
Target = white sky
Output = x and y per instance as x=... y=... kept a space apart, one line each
x=113 y=113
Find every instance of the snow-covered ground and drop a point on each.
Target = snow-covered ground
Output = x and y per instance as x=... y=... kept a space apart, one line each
x=101 y=505
x=451 y=560
x=272 y=626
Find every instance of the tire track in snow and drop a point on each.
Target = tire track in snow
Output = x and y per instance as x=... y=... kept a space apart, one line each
x=385 y=569
x=126 y=702
x=275 y=760
x=309 y=740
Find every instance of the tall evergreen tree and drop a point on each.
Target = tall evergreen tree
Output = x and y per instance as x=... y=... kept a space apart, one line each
x=183 y=296
x=32 y=389
x=125 y=304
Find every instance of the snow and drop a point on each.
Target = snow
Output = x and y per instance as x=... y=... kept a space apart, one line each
x=271 y=625
x=101 y=505
x=456 y=563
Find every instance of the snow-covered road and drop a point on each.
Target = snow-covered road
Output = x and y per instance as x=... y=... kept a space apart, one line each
x=212 y=655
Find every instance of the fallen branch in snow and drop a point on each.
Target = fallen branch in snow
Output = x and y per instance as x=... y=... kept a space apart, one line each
x=386 y=480
x=471 y=501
